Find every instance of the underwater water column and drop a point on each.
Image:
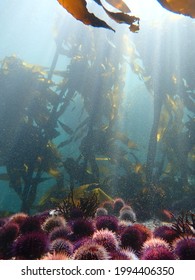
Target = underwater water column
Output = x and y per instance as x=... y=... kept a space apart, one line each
x=152 y=146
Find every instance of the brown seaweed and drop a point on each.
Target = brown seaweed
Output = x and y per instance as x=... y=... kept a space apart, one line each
x=179 y=6
x=184 y=224
x=80 y=12
x=87 y=205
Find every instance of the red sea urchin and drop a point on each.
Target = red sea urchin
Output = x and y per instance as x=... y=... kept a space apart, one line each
x=145 y=231
x=31 y=246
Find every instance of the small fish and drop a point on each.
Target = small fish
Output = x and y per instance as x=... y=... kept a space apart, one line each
x=25 y=167
x=168 y=213
x=174 y=79
x=131 y=145
x=138 y=168
x=54 y=172
x=160 y=133
x=102 y=158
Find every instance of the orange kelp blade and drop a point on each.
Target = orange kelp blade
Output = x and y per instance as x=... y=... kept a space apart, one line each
x=184 y=7
x=120 y=5
x=124 y=18
x=79 y=11
x=121 y=17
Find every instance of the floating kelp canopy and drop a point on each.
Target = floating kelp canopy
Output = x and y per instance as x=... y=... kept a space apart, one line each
x=63 y=125
x=179 y=6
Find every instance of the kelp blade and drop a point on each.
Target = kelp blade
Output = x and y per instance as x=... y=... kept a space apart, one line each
x=79 y=11
x=179 y=6
x=124 y=18
x=120 y=5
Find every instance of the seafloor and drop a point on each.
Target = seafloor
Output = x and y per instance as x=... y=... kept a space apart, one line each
x=113 y=233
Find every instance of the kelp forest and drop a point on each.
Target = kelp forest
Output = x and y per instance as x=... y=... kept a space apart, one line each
x=61 y=140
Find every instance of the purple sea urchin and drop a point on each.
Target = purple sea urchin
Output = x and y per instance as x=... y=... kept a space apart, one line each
x=76 y=213
x=59 y=232
x=125 y=207
x=131 y=238
x=101 y=211
x=106 y=238
x=30 y=224
x=108 y=205
x=122 y=225
x=82 y=241
x=156 y=253
x=18 y=218
x=61 y=245
x=127 y=215
x=107 y=222
x=31 y=246
x=166 y=233
x=91 y=251
x=55 y=256
x=42 y=216
x=2 y=222
x=82 y=228
x=53 y=222
x=117 y=205
x=8 y=233
x=123 y=255
x=184 y=248
x=155 y=243
x=156 y=249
